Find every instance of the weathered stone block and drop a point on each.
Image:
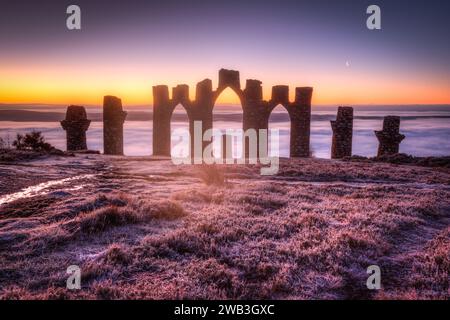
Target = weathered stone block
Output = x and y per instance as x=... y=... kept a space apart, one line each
x=390 y=137
x=253 y=90
x=113 y=119
x=280 y=94
x=303 y=95
x=160 y=95
x=204 y=92
x=229 y=78
x=76 y=125
x=180 y=93
x=342 y=133
x=300 y=114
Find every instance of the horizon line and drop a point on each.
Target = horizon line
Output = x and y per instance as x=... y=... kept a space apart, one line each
x=233 y=104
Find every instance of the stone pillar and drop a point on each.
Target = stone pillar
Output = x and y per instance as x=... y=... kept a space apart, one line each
x=342 y=133
x=390 y=136
x=300 y=113
x=76 y=125
x=161 y=121
x=113 y=119
x=254 y=114
x=202 y=111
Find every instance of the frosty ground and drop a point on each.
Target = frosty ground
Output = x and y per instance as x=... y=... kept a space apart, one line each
x=142 y=228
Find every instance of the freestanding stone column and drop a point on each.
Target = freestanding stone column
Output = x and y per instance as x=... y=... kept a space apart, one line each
x=390 y=136
x=76 y=125
x=300 y=113
x=342 y=133
x=161 y=121
x=201 y=111
x=254 y=116
x=113 y=119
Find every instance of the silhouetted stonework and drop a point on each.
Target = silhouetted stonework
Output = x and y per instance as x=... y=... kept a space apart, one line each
x=390 y=136
x=342 y=133
x=76 y=125
x=256 y=111
x=113 y=119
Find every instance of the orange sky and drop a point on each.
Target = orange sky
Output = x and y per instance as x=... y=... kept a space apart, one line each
x=57 y=87
x=55 y=82
x=323 y=45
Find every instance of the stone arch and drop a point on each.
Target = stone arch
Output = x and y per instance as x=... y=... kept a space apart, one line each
x=283 y=111
x=216 y=117
x=256 y=111
x=299 y=114
x=180 y=97
x=184 y=106
x=182 y=123
x=163 y=108
x=229 y=79
x=238 y=92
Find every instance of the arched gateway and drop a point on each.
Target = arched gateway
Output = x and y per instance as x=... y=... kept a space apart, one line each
x=256 y=111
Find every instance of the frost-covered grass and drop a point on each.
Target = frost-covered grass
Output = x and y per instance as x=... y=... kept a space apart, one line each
x=154 y=231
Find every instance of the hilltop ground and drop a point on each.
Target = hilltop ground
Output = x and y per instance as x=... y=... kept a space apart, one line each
x=144 y=228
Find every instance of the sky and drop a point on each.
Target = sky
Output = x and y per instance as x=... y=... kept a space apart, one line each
x=126 y=47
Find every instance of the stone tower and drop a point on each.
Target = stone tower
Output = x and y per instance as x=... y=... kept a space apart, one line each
x=113 y=119
x=342 y=133
x=390 y=136
x=76 y=125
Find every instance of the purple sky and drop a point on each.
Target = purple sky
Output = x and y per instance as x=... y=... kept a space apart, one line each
x=125 y=47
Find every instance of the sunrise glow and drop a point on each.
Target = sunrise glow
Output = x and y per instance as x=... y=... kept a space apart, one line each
x=334 y=53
